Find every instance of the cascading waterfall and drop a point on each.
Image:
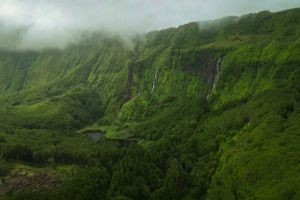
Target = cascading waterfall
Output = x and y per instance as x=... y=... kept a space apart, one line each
x=217 y=74
x=154 y=80
x=216 y=78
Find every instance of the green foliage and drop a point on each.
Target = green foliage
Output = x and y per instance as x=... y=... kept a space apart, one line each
x=4 y=169
x=65 y=112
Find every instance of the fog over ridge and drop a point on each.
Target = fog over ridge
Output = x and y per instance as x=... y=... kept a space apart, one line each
x=54 y=23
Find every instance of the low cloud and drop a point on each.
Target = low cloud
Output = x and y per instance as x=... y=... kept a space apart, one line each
x=55 y=23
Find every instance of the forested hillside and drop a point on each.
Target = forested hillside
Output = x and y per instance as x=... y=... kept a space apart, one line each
x=208 y=110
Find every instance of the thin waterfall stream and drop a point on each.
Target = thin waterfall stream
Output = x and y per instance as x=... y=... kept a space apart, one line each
x=216 y=78
x=154 y=80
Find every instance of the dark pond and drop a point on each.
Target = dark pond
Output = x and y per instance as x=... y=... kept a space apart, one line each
x=95 y=135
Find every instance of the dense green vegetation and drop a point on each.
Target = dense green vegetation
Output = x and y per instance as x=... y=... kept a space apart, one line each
x=207 y=110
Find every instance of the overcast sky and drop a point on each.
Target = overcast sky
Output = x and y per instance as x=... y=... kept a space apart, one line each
x=61 y=19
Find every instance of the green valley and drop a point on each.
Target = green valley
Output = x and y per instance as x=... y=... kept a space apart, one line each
x=209 y=110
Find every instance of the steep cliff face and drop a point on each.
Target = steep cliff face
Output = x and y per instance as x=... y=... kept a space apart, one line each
x=223 y=96
x=98 y=63
x=163 y=64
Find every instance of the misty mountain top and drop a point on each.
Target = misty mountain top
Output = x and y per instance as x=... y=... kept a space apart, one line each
x=33 y=24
